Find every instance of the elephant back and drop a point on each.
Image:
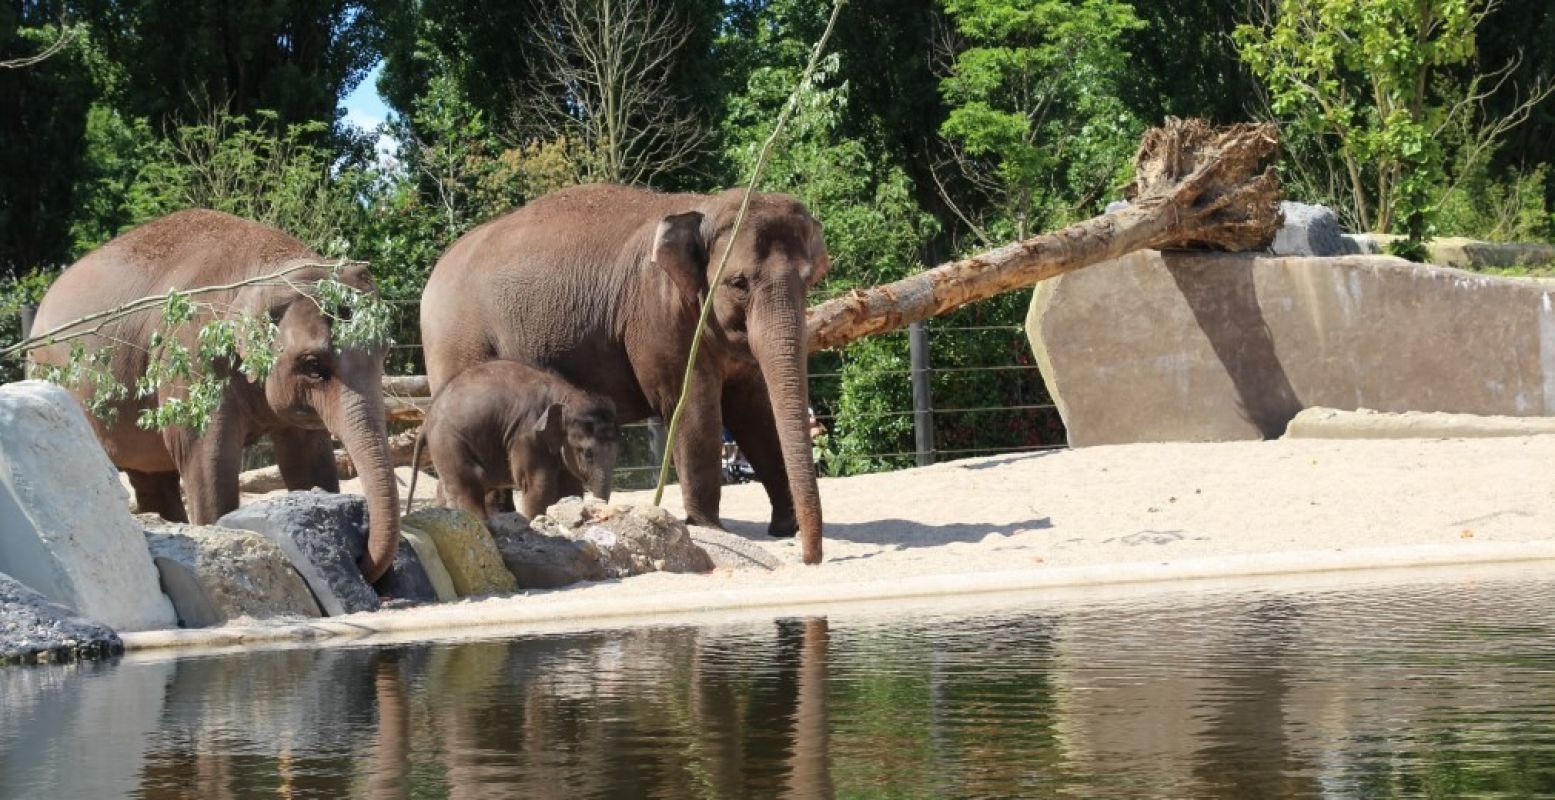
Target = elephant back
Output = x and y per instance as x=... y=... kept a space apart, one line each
x=181 y=251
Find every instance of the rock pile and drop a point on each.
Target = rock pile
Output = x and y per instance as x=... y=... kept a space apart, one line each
x=631 y=540
x=314 y=530
x=542 y=561
x=77 y=565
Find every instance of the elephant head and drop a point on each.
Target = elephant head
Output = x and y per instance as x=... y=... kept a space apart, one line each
x=316 y=384
x=759 y=312
x=584 y=431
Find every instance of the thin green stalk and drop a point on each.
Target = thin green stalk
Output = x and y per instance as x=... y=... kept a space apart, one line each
x=739 y=219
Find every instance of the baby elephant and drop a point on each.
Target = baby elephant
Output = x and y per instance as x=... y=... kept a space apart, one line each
x=502 y=425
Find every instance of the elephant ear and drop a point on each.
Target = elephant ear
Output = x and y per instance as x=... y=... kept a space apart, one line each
x=356 y=276
x=268 y=303
x=820 y=260
x=548 y=428
x=681 y=251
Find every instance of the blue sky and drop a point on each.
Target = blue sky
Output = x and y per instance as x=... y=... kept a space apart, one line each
x=364 y=108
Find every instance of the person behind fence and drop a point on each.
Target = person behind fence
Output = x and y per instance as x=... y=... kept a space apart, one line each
x=820 y=440
x=736 y=469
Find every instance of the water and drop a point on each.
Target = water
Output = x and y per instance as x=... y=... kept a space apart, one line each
x=1443 y=689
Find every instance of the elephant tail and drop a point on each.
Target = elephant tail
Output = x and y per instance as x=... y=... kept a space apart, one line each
x=415 y=466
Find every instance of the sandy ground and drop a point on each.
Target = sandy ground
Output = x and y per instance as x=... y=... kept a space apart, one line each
x=1170 y=502
x=1092 y=516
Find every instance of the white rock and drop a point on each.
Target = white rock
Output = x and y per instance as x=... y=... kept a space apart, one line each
x=65 y=525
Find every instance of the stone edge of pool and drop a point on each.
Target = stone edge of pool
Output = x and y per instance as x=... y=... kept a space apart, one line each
x=517 y=610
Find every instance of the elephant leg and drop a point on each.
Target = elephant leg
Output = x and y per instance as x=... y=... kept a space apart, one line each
x=463 y=491
x=306 y=459
x=158 y=493
x=540 y=484
x=209 y=464
x=698 y=452
x=748 y=412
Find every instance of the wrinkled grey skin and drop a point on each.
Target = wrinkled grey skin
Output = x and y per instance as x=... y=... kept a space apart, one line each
x=601 y=284
x=314 y=390
x=502 y=425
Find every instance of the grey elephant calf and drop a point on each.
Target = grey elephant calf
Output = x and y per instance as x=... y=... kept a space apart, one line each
x=503 y=425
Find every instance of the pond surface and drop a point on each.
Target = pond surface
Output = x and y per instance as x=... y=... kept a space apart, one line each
x=1427 y=689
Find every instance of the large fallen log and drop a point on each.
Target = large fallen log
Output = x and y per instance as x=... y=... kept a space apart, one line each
x=1195 y=187
x=406 y=386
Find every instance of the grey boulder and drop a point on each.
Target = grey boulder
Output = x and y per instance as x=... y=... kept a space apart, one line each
x=318 y=532
x=1308 y=230
x=541 y=561
x=215 y=575
x=34 y=630
x=65 y=525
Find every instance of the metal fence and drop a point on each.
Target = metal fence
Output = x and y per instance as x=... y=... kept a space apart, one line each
x=1027 y=420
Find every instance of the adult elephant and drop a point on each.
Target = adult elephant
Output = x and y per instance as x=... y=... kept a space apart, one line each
x=314 y=389
x=602 y=284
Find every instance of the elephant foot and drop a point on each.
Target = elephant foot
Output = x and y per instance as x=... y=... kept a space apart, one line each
x=783 y=526
x=695 y=519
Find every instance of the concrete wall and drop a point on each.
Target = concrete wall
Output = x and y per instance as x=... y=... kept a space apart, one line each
x=1216 y=347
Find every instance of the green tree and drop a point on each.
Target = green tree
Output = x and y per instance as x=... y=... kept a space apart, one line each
x=1036 y=124
x=1183 y=63
x=874 y=228
x=295 y=58
x=70 y=126
x=43 y=121
x=1372 y=90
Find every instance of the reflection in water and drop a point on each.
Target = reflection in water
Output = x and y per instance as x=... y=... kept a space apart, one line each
x=1421 y=690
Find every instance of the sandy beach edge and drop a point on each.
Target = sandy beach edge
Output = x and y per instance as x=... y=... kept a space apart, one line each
x=516 y=611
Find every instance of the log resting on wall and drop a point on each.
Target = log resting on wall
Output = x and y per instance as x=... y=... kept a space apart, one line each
x=1213 y=347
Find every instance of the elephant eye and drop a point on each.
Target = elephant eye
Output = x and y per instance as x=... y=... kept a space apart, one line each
x=738 y=282
x=312 y=368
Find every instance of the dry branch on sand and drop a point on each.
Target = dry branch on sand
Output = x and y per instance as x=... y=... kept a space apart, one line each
x=1195 y=187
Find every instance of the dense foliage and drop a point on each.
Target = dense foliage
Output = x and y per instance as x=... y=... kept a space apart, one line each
x=937 y=128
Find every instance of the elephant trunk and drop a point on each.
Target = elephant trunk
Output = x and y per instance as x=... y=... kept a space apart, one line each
x=779 y=342
x=599 y=483
x=357 y=420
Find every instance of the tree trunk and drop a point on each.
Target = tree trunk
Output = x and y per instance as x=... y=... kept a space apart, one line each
x=1196 y=188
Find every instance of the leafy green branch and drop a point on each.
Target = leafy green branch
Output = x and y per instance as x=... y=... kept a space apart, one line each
x=196 y=363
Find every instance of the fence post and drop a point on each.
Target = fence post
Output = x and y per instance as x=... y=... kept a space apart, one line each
x=24 y=315
x=922 y=401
